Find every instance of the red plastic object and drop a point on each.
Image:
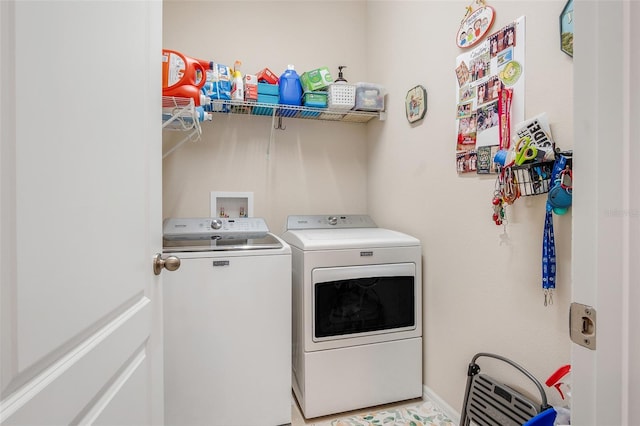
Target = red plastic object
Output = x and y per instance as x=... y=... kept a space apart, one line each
x=554 y=379
x=182 y=76
x=180 y=70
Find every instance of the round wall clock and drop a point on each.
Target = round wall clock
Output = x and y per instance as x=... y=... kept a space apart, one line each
x=416 y=104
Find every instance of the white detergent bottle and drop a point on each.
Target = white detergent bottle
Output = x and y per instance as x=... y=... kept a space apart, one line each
x=237 y=83
x=237 y=87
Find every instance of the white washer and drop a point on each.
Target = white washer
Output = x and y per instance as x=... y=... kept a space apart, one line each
x=357 y=313
x=227 y=324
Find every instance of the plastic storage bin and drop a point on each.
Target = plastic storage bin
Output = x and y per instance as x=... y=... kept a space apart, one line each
x=268 y=89
x=341 y=96
x=369 y=97
x=265 y=99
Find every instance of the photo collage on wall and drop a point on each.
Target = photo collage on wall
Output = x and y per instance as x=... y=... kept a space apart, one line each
x=483 y=113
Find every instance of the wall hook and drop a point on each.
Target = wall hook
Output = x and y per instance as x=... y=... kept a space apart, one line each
x=280 y=126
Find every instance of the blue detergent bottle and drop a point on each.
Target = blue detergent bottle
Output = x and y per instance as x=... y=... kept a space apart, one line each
x=290 y=87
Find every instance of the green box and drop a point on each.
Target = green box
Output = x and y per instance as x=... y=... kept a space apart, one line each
x=315 y=99
x=316 y=79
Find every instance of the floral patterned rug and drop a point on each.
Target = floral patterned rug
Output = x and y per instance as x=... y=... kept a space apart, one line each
x=424 y=414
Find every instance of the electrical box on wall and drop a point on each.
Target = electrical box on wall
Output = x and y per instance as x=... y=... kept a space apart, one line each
x=231 y=204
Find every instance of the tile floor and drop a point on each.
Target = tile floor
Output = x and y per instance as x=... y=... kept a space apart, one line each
x=297 y=419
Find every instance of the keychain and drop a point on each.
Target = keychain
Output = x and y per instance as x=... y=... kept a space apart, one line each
x=506 y=192
x=509 y=187
x=498 y=208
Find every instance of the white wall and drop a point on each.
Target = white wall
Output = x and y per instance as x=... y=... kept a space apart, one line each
x=480 y=295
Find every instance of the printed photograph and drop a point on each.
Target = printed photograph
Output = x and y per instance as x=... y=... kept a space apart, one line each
x=505 y=56
x=480 y=66
x=485 y=163
x=467 y=129
x=467 y=93
x=502 y=40
x=464 y=110
x=466 y=161
x=462 y=72
x=487 y=116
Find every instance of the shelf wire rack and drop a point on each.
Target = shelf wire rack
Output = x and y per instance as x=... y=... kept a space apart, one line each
x=179 y=114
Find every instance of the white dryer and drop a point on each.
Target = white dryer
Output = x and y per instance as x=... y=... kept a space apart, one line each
x=227 y=324
x=357 y=313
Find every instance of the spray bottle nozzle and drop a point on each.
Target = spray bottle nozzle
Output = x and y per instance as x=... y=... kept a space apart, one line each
x=555 y=381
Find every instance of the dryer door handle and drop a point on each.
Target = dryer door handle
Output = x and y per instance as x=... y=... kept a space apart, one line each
x=170 y=263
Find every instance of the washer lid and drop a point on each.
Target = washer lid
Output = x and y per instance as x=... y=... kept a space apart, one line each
x=353 y=238
x=263 y=242
x=217 y=234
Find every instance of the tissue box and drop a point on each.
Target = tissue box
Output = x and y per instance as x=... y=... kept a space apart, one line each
x=250 y=88
x=369 y=97
x=267 y=76
x=316 y=79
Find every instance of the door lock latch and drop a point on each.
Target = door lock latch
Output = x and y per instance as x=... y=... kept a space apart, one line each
x=582 y=325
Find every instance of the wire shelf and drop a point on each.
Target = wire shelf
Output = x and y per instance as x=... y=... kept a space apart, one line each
x=291 y=111
x=179 y=114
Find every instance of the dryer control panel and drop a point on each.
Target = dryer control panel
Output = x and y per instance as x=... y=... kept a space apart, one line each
x=206 y=228
x=330 y=221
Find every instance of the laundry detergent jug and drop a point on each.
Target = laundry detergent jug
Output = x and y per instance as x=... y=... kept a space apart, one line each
x=290 y=87
x=183 y=76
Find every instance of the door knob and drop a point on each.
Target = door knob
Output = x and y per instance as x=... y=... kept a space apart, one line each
x=170 y=263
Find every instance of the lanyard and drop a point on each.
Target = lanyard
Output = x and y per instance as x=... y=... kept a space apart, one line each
x=548 y=241
x=548 y=259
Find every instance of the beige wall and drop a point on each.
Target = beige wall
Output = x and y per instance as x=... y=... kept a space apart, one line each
x=482 y=291
x=313 y=167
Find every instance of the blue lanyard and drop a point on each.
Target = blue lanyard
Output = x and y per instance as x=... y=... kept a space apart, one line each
x=549 y=242
x=548 y=259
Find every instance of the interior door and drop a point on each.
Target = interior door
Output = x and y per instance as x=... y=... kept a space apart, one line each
x=606 y=212
x=80 y=212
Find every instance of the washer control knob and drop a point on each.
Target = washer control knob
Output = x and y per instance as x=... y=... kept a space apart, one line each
x=216 y=224
x=333 y=220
